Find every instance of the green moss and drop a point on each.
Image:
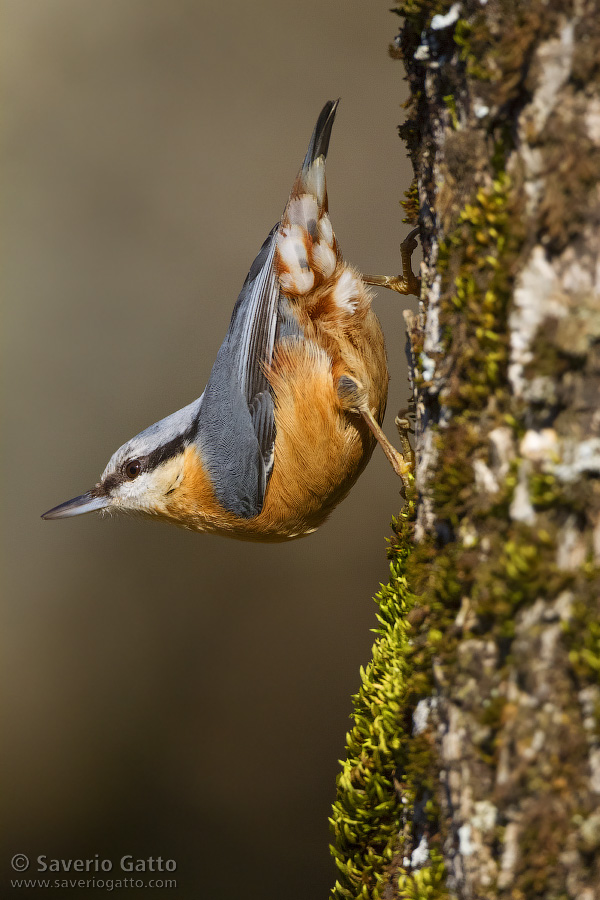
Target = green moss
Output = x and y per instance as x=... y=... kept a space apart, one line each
x=545 y=491
x=368 y=816
x=582 y=634
x=475 y=261
x=521 y=568
x=419 y=13
x=425 y=884
x=460 y=446
x=411 y=203
x=450 y=104
x=469 y=36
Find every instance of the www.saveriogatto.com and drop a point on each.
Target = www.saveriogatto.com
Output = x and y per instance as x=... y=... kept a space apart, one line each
x=94 y=872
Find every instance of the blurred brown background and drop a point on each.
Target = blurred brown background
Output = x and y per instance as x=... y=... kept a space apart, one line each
x=168 y=693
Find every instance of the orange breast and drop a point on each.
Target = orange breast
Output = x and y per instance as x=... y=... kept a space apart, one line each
x=320 y=450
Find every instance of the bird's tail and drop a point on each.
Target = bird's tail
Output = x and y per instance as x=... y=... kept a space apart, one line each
x=307 y=251
x=311 y=177
x=319 y=142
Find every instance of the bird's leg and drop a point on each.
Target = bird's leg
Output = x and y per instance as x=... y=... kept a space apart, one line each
x=402 y=463
x=408 y=282
x=353 y=397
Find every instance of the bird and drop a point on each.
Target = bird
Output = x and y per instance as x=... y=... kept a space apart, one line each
x=293 y=406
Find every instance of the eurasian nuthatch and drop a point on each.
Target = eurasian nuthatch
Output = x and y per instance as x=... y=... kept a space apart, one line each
x=294 y=403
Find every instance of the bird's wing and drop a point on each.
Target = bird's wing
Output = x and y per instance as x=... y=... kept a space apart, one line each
x=251 y=337
x=236 y=425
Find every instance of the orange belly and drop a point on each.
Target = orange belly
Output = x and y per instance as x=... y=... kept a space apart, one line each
x=320 y=449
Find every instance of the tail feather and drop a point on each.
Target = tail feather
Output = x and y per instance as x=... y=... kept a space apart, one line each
x=311 y=177
x=319 y=142
x=307 y=251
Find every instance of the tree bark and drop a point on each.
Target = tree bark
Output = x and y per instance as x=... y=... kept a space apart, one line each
x=484 y=690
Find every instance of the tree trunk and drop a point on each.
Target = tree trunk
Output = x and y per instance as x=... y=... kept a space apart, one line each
x=474 y=760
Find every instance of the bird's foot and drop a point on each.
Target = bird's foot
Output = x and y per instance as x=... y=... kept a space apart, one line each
x=404 y=426
x=408 y=282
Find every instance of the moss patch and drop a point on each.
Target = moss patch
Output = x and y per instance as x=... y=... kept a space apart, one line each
x=411 y=204
x=385 y=774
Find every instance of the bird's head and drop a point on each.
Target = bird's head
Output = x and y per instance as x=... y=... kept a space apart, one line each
x=146 y=474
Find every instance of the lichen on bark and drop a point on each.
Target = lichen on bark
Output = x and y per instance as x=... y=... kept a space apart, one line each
x=495 y=772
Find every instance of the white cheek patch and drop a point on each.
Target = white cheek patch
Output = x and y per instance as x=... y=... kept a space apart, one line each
x=135 y=494
x=324 y=259
x=148 y=491
x=303 y=211
x=325 y=230
x=346 y=291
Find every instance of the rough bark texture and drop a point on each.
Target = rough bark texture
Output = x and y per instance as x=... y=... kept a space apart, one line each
x=497 y=719
x=505 y=137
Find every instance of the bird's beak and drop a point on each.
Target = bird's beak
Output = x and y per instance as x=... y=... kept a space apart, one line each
x=76 y=507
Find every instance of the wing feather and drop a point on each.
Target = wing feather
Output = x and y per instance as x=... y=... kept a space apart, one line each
x=236 y=424
x=252 y=335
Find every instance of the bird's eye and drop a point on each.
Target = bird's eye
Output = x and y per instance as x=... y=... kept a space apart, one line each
x=133 y=468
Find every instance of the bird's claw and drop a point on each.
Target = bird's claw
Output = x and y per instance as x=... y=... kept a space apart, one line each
x=404 y=426
x=408 y=282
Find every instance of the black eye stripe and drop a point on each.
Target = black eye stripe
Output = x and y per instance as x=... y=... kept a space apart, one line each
x=149 y=462
x=121 y=475
x=168 y=450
